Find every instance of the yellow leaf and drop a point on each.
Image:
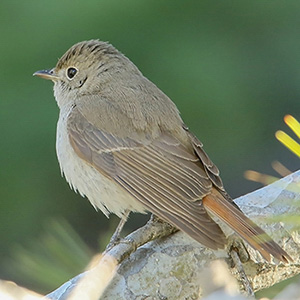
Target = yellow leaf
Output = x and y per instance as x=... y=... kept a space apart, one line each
x=288 y=142
x=293 y=124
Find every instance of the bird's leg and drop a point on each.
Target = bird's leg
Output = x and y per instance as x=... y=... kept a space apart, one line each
x=155 y=228
x=116 y=235
x=239 y=254
x=238 y=245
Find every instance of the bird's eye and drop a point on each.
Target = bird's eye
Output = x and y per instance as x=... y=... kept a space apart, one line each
x=71 y=72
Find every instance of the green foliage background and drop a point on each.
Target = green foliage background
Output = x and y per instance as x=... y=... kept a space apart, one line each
x=232 y=67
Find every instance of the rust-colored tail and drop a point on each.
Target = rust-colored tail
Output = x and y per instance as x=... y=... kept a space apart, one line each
x=248 y=230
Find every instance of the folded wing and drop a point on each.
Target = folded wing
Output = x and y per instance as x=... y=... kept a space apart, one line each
x=162 y=174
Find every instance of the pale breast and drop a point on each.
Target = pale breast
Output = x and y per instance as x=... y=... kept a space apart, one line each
x=102 y=192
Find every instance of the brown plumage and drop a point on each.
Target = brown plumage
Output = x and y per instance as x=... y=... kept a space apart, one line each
x=122 y=143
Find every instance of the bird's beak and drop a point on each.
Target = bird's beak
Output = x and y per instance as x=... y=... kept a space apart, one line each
x=46 y=74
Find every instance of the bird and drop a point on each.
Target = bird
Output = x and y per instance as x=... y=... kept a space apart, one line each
x=122 y=143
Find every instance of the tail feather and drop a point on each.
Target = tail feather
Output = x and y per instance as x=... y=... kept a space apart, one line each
x=248 y=230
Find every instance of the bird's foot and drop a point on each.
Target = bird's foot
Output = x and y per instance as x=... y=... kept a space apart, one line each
x=115 y=239
x=239 y=255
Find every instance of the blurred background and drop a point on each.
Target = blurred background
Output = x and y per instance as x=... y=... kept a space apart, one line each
x=232 y=68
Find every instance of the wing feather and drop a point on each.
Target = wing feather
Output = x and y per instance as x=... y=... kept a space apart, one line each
x=165 y=176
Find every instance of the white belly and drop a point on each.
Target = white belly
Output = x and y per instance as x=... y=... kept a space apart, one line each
x=102 y=192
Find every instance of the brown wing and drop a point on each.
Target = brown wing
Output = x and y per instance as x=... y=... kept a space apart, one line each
x=162 y=174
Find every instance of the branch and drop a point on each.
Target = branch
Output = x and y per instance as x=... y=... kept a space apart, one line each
x=177 y=267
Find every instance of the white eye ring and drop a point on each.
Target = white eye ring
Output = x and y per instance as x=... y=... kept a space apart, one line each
x=71 y=72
